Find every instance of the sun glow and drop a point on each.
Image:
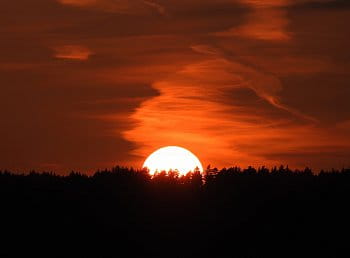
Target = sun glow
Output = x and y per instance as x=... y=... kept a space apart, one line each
x=172 y=158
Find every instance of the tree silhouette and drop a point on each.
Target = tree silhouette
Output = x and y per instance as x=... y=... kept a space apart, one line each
x=122 y=212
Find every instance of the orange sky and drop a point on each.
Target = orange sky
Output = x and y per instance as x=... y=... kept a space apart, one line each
x=89 y=84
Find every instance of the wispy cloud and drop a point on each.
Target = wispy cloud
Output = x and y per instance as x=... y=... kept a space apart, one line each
x=74 y=52
x=118 y=6
x=267 y=20
x=192 y=111
x=158 y=7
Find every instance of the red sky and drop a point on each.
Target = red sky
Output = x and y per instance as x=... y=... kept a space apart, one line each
x=88 y=84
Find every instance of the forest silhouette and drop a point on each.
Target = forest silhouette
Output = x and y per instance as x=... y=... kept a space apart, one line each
x=123 y=212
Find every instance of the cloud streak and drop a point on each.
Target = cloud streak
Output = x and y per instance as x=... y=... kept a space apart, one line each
x=267 y=20
x=74 y=52
x=118 y=6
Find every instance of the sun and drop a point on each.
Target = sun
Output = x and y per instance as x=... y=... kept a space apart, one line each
x=172 y=158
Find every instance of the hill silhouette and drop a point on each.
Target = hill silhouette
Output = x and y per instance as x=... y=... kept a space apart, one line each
x=124 y=212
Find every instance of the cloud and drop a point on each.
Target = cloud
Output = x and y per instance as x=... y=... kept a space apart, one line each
x=266 y=3
x=192 y=111
x=95 y=83
x=118 y=6
x=263 y=84
x=79 y=2
x=74 y=52
x=121 y=6
x=158 y=7
x=205 y=49
x=267 y=20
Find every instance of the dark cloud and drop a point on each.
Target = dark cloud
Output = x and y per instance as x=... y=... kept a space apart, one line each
x=326 y=4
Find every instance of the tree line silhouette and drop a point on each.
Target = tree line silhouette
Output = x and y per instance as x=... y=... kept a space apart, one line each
x=124 y=212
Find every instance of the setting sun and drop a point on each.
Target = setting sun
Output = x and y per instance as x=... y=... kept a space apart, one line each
x=172 y=158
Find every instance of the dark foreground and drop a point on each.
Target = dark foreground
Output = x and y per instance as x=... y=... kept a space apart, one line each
x=122 y=213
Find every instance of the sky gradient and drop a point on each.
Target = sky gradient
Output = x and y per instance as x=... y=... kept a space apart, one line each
x=88 y=84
